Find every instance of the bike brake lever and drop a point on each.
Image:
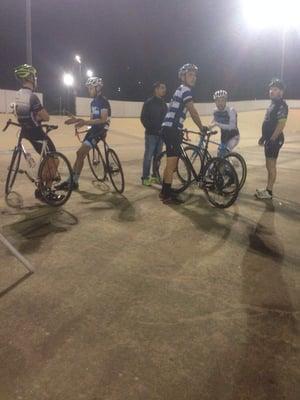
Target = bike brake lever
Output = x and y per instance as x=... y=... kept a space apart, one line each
x=7 y=125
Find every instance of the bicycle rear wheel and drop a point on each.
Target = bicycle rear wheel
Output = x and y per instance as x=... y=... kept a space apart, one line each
x=97 y=164
x=54 y=169
x=115 y=171
x=240 y=166
x=181 y=176
x=13 y=170
x=220 y=182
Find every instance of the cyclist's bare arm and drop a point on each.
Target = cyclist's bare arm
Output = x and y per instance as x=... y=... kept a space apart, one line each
x=279 y=128
x=42 y=115
x=194 y=114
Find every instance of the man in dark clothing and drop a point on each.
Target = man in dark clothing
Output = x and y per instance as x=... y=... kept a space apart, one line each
x=272 y=134
x=152 y=116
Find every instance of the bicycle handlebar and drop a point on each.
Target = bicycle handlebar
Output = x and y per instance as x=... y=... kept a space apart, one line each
x=46 y=126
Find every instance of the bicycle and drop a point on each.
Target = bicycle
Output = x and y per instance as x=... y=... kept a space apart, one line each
x=235 y=159
x=217 y=177
x=109 y=165
x=51 y=168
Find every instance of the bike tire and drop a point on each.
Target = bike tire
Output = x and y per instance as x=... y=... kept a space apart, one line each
x=243 y=175
x=115 y=170
x=61 y=175
x=217 y=176
x=97 y=164
x=13 y=170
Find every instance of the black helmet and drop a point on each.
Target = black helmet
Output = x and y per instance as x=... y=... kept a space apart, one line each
x=186 y=68
x=278 y=83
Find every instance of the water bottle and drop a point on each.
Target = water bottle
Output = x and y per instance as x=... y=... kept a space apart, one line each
x=30 y=160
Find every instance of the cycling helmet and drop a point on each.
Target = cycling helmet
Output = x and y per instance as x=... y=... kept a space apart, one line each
x=186 y=68
x=220 y=94
x=278 y=83
x=25 y=71
x=94 y=81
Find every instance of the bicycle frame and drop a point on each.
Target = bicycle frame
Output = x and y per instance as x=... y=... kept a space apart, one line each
x=21 y=146
x=206 y=156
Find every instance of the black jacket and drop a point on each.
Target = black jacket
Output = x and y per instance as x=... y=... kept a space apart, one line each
x=153 y=113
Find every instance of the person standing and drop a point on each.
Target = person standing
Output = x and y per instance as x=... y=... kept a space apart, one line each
x=152 y=116
x=272 y=135
x=181 y=103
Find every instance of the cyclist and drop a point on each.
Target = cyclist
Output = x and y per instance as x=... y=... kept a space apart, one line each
x=225 y=118
x=272 y=134
x=30 y=114
x=99 y=123
x=181 y=103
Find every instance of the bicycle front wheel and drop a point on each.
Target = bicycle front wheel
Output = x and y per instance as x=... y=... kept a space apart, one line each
x=181 y=176
x=115 y=171
x=13 y=170
x=220 y=182
x=97 y=164
x=240 y=166
x=55 y=169
x=195 y=158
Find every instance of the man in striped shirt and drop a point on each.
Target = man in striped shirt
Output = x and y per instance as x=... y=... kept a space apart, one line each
x=181 y=103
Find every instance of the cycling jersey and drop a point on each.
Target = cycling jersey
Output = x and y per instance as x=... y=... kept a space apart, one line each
x=277 y=111
x=27 y=105
x=177 y=110
x=99 y=104
x=226 y=120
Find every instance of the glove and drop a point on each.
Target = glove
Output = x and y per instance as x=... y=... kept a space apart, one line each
x=261 y=141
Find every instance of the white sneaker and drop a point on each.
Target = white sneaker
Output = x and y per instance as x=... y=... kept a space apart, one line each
x=263 y=194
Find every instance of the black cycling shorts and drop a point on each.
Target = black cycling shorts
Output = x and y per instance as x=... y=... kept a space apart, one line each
x=272 y=148
x=92 y=138
x=36 y=136
x=173 y=139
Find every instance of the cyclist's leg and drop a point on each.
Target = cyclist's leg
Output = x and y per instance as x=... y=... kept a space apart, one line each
x=173 y=141
x=90 y=141
x=233 y=142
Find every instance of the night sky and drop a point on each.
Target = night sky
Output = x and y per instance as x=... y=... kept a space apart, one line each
x=127 y=41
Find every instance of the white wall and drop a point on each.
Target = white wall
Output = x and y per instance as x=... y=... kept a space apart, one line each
x=129 y=109
x=7 y=97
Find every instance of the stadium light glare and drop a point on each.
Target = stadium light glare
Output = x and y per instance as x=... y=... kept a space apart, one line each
x=78 y=58
x=262 y=14
x=89 y=73
x=68 y=79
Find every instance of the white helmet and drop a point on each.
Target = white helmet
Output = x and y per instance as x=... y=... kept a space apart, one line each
x=94 y=81
x=186 y=68
x=220 y=94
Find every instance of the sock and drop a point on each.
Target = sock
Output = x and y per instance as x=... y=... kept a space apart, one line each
x=166 y=189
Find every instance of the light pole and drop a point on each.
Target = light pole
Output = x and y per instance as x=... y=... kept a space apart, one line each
x=28 y=33
x=78 y=60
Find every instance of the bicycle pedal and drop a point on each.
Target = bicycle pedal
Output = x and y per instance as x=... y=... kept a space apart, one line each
x=21 y=171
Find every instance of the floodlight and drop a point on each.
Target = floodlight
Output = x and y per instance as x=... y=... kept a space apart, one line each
x=68 y=79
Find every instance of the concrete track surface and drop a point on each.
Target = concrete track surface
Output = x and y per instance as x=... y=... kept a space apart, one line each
x=132 y=299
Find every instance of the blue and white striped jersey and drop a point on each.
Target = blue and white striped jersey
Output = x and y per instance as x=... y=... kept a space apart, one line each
x=177 y=108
